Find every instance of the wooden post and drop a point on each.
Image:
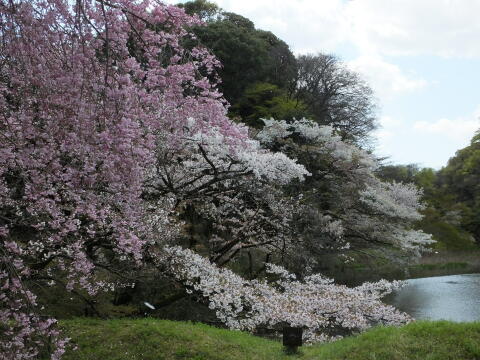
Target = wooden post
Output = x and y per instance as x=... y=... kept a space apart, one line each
x=292 y=338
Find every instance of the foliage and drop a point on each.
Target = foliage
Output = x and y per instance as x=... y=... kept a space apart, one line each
x=264 y=101
x=400 y=173
x=262 y=78
x=205 y=10
x=248 y=55
x=161 y=339
x=451 y=194
x=449 y=236
x=461 y=178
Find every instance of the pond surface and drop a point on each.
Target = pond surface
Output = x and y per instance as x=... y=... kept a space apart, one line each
x=454 y=297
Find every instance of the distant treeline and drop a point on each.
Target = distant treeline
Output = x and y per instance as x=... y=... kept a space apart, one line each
x=452 y=196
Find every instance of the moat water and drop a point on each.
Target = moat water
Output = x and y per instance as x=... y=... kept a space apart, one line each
x=453 y=297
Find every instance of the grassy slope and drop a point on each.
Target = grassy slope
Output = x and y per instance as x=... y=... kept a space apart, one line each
x=149 y=339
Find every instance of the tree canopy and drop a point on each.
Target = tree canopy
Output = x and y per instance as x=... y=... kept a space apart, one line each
x=335 y=96
x=248 y=55
x=205 y=10
x=461 y=178
x=319 y=86
x=115 y=143
x=265 y=100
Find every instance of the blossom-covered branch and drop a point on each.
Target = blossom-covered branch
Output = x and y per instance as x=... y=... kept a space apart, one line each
x=316 y=303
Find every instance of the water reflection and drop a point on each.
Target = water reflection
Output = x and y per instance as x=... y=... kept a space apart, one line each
x=454 y=297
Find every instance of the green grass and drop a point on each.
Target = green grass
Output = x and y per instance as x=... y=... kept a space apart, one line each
x=150 y=339
x=440 y=266
x=421 y=340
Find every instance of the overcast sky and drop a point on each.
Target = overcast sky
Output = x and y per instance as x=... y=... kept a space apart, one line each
x=421 y=57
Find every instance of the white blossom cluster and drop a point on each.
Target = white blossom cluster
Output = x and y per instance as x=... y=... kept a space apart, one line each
x=250 y=156
x=275 y=130
x=276 y=167
x=162 y=222
x=235 y=187
x=413 y=240
x=257 y=217
x=393 y=199
x=316 y=303
x=331 y=143
x=360 y=207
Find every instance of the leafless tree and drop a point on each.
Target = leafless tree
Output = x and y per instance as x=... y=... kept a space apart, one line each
x=335 y=96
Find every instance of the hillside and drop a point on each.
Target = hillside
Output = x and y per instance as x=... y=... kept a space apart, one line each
x=149 y=339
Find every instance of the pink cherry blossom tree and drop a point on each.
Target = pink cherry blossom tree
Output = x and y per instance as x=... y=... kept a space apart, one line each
x=94 y=93
x=89 y=90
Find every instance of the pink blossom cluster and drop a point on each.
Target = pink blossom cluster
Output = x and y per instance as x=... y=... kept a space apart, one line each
x=88 y=89
x=22 y=330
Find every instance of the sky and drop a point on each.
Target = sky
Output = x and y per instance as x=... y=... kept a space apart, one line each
x=421 y=58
